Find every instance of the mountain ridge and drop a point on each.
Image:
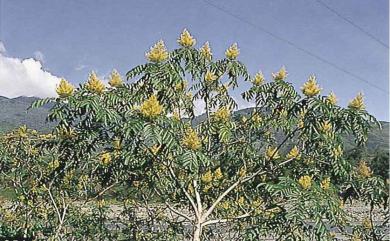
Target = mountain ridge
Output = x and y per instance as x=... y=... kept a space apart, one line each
x=14 y=112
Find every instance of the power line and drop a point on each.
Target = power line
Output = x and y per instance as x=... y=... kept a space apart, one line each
x=353 y=24
x=295 y=46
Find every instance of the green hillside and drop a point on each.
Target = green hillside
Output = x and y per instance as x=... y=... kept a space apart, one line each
x=14 y=113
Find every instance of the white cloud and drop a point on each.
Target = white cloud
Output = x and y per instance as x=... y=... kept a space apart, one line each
x=25 y=77
x=38 y=55
x=2 y=48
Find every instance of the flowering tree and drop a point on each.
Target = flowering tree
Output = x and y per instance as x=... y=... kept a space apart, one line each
x=269 y=171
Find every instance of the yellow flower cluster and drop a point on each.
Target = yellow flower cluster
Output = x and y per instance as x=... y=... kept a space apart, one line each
x=310 y=88
x=257 y=203
x=207 y=187
x=356 y=237
x=363 y=169
x=256 y=118
x=272 y=152
x=155 y=148
x=94 y=84
x=325 y=184
x=337 y=152
x=305 y=182
x=136 y=183
x=186 y=40
x=326 y=127
x=331 y=99
x=232 y=52
x=225 y=205
x=280 y=75
x=191 y=140
x=64 y=89
x=181 y=85
x=207 y=177
x=22 y=131
x=66 y=133
x=240 y=200
x=258 y=79
x=105 y=159
x=176 y=116
x=222 y=114
x=53 y=165
x=158 y=53
x=357 y=103
x=210 y=77
x=242 y=172
x=101 y=203
x=218 y=174
x=205 y=51
x=117 y=144
x=367 y=223
x=151 y=107
x=115 y=80
x=294 y=153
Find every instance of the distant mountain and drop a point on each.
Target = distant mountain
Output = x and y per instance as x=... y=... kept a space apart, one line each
x=378 y=139
x=14 y=113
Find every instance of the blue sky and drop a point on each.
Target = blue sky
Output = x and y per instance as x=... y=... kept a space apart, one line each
x=71 y=38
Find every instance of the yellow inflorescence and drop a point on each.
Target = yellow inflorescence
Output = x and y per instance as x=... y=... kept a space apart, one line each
x=117 y=144
x=294 y=153
x=115 y=80
x=367 y=223
x=218 y=174
x=105 y=159
x=240 y=200
x=331 y=99
x=53 y=165
x=242 y=172
x=272 y=152
x=337 y=152
x=364 y=170
x=326 y=127
x=64 y=89
x=310 y=88
x=207 y=177
x=151 y=107
x=181 y=85
x=94 y=84
x=155 y=148
x=186 y=40
x=357 y=103
x=232 y=52
x=305 y=182
x=205 y=51
x=325 y=184
x=256 y=118
x=280 y=75
x=222 y=114
x=158 y=53
x=210 y=77
x=225 y=205
x=258 y=79
x=191 y=140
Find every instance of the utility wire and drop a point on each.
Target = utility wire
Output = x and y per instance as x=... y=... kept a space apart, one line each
x=353 y=24
x=295 y=46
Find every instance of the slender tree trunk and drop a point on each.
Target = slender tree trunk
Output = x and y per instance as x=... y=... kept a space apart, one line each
x=197 y=232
